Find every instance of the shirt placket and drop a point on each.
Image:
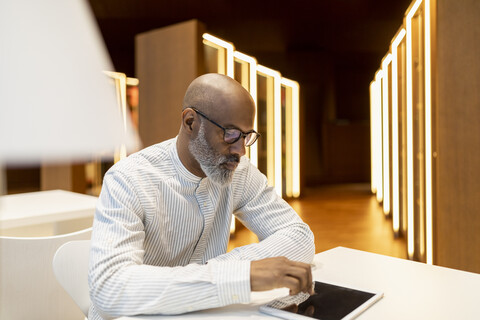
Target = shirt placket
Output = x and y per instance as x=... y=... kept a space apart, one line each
x=208 y=213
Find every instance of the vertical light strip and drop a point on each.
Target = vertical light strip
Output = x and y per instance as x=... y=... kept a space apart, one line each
x=120 y=80
x=386 y=136
x=296 y=139
x=395 y=144
x=228 y=47
x=287 y=135
x=123 y=96
x=295 y=136
x=268 y=148
x=379 y=136
x=277 y=114
x=428 y=135
x=373 y=185
x=252 y=65
x=410 y=156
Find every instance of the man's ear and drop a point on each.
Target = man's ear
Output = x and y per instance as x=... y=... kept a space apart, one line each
x=188 y=118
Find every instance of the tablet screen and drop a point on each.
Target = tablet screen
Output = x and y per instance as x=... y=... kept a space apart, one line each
x=329 y=302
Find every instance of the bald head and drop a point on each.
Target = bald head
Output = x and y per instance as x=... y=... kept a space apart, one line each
x=213 y=92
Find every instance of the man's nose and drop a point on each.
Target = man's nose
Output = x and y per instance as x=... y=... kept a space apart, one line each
x=238 y=147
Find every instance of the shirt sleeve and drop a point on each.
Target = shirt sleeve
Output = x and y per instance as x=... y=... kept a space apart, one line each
x=122 y=285
x=280 y=230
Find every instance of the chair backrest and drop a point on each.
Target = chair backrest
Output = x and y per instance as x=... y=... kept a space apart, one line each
x=70 y=266
x=28 y=288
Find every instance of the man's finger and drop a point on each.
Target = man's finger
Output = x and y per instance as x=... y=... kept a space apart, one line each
x=303 y=275
x=291 y=283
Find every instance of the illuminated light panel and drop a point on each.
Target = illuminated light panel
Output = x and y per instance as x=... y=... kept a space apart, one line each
x=386 y=137
x=120 y=80
x=132 y=82
x=277 y=124
x=373 y=178
x=395 y=146
x=287 y=134
x=228 y=47
x=428 y=136
x=410 y=188
x=294 y=169
x=252 y=64
x=379 y=138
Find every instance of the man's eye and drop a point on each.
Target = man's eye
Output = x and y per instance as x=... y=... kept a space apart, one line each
x=232 y=133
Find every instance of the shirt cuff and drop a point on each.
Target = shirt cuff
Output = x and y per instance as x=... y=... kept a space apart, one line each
x=233 y=281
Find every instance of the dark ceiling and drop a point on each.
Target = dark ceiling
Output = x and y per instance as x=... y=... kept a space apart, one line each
x=331 y=47
x=348 y=29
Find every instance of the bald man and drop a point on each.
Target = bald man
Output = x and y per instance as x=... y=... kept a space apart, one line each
x=162 y=222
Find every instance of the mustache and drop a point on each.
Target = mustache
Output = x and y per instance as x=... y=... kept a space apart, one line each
x=232 y=158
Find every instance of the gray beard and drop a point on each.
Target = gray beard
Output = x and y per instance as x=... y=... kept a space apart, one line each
x=210 y=160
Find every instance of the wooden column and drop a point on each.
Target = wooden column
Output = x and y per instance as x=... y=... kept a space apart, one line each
x=167 y=60
x=457 y=167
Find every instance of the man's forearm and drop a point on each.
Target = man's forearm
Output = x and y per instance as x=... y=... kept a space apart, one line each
x=143 y=289
x=296 y=243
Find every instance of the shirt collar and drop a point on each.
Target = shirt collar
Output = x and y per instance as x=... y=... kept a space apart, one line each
x=179 y=165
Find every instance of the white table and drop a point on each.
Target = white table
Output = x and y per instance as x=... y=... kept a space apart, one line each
x=412 y=290
x=35 y=208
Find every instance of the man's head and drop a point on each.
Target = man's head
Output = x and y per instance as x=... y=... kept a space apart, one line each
x=217 y=118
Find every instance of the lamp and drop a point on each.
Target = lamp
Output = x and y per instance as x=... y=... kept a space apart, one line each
x=56 y=104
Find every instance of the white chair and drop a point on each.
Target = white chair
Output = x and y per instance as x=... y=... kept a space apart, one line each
x=28 y=288
x=70 y=266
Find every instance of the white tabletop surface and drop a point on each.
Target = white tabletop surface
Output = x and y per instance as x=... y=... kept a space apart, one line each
x=411 y=290
x=32 y=208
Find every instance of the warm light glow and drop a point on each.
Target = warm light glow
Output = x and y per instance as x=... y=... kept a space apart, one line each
x=386 y=136
x=373 y=181
x=410 y=156
x=372 y=135
x=120 y=80
x=378 y=136
x=296 y=139
x=428 y=136
x=277 y=125
x=132 y=81
x=287 y=133
x=229 y=49
x=252 y=88
x=395 y=134
x=293 y=139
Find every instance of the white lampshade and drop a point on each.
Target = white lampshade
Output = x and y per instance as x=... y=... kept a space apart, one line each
x=55 y=101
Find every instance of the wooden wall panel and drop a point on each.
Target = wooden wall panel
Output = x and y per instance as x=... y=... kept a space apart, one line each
x=166 y=61
x=66 y=176
x=458 y=135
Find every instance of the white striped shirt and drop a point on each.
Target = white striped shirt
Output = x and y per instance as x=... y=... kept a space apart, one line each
x=157 y=225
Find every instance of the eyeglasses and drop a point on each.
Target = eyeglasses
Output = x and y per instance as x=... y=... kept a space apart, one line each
x=232 y=135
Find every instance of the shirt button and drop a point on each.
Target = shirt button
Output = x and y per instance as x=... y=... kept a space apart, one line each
x=235 y=297
x=205 y=204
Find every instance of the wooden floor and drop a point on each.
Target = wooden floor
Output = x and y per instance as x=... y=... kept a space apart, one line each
x=341 y=215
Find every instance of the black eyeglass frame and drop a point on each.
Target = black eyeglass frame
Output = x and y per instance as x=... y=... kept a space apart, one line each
x=242 y=134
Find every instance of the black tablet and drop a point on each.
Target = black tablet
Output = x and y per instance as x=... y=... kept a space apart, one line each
x=329 y=302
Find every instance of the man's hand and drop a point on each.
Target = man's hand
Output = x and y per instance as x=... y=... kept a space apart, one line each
x=278 y=272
